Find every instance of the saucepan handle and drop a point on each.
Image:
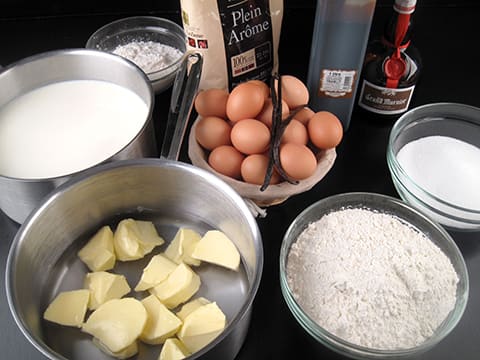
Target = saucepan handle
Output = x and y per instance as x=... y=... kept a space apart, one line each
x=184 y=91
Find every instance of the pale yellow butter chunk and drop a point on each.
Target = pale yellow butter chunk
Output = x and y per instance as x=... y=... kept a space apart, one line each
x=126 y=353
x=149 y=238
x=178 y=287
x=181 y=247
x=98 y=253
x=133 y=239
x=105 y=286
x=173 y=349
x=161 y=322
x=216 y=248
x=117 y=324
x=191 y=306
x=68 y=308
x=202 y=326
x=125 y=240
x=157 y=270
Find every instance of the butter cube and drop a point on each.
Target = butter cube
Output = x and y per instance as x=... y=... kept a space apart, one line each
x=191 y=306
x=149 y=238
x=68 y=308
x=216 y=248
x=133 y=239
x=161 y=322
x=202 y=326
x=98 y=253
x=173 y=349
x=157 y=270
x=105 y=286
x=117 y=323
x=178 y=287
x=181 y=247
x=126 y=353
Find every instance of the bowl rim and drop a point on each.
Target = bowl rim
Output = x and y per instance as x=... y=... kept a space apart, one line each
x=336 y=343
x=409 y=119
x=157 y=22
x=456 y=223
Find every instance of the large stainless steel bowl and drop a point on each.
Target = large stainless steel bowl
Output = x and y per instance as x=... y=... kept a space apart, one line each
x=19 y=196
x=43 y=261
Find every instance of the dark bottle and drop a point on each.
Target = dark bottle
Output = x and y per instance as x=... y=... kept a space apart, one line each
x=392 y=66
x=339 y=42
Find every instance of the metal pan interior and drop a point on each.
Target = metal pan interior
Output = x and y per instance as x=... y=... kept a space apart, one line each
x=43 y=258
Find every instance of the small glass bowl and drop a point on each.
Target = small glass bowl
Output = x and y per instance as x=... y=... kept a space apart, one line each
x=403 y=211
x=143 y=28
x=458 y=121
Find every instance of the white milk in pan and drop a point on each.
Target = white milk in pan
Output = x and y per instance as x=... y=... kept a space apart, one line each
x=65 y=127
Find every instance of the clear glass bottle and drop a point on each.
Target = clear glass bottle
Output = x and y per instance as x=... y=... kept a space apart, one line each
x=339 y=41
x=392 y=66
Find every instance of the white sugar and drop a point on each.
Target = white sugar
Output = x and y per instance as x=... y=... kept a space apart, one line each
x=447 y=168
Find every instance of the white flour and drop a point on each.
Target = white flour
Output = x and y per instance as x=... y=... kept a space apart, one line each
x=150 y=56
x=371 y=279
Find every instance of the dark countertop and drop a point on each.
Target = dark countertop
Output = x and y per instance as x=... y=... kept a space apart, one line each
x=446 y=38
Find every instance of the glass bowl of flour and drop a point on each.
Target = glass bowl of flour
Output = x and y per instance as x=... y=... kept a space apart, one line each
x=434 y=158
x=371 y=277
x=156 y=45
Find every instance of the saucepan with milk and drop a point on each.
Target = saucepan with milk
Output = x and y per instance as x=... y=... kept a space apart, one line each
x=64 y=111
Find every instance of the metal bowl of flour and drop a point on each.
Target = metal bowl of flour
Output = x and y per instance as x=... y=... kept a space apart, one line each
x=346 y=245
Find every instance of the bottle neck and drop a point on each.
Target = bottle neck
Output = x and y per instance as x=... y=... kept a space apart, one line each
x=397 y=37
x=397 y=30
x=404 y=6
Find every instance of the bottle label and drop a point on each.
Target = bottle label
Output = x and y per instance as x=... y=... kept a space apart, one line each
x=337 y=83
x=382 y=100
x=405 y=6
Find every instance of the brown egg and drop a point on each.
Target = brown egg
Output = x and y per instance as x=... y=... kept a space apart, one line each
x=298 y=161
x=294 y=91
x=296 y=133
x=254 y=168
x=245 y=101
x=250 y=136
x=212 y=102
x=226 y=160
x=304 y=115
x=325 y=130
x=212 y=131
x=263 y=86
x=265 y=115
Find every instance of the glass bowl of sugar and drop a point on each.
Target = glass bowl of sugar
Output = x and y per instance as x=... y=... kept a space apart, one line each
x=371 y=277
x=156 y=45
x=433 y=156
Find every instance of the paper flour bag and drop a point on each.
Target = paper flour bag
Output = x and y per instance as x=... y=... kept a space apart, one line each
x=238 y=39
